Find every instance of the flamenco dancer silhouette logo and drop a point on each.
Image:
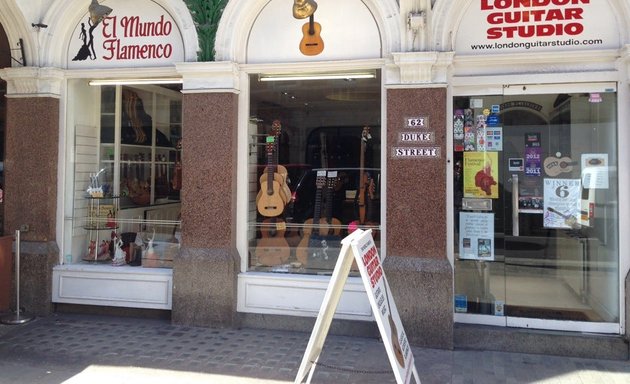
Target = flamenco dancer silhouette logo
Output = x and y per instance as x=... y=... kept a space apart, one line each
x=97 y=13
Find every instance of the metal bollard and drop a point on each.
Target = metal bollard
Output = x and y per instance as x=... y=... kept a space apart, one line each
x=17 y=317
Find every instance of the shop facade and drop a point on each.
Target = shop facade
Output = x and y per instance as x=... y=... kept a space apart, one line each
x=206 y=163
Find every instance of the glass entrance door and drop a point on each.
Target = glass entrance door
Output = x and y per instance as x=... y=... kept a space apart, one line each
x=535 y=204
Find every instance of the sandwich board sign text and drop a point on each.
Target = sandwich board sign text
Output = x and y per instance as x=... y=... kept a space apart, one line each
x=359 y=246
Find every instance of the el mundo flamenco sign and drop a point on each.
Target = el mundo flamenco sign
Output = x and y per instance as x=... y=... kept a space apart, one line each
x=132 y=34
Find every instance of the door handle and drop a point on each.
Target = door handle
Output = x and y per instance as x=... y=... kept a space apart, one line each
x=515 y=229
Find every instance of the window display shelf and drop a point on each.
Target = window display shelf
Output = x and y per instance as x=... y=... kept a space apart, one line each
x=101 y=216
x=139 y=152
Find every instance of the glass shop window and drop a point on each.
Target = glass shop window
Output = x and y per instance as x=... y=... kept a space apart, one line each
x=536 y=205
x=314 y=168
x=126 y=175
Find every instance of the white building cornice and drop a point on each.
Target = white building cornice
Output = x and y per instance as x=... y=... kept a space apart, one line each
x=419 y=68
x=217 y=76
x=33 y=81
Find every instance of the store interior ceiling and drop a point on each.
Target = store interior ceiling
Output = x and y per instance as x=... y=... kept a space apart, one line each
x=331 y=97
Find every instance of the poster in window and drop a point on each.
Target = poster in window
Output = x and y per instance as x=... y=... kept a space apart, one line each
x=494 y=138
x=595 y=170
x=476 y=236
x=470 y=131
x=562 y=203
x=481 y=133
x=533 y=153
x=458 y=130
x=481 y=172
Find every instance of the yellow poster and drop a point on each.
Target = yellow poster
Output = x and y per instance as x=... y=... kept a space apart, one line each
x=481 y=174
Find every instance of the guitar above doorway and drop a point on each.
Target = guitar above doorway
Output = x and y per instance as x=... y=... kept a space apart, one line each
x=311 y=43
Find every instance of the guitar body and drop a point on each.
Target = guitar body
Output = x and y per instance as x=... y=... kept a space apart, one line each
x=272 y=248
x=277 y=178
x=282 y=170
x=284 y=187
x=270 y=204
x=311 y=43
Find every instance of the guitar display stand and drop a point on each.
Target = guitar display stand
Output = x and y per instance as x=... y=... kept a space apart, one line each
x=17 y=317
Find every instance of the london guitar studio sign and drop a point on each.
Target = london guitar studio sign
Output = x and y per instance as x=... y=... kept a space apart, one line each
x=504 y=26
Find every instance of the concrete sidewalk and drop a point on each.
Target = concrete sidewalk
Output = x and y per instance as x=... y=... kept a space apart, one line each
x=80 y=349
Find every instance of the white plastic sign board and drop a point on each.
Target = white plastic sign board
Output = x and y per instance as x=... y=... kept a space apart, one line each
x=360 y=246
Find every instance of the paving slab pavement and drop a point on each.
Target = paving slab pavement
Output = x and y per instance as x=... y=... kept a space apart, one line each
x=82 y=349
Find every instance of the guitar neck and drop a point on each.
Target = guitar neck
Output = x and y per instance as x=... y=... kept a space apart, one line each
x=276 y=149
x=323 y=152
x=329 y=202
x=362 y=183
x=270 y=172
x=318 y=206
x=311 y=24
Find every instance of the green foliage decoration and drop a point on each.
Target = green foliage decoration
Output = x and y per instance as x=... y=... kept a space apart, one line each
x=206 y=14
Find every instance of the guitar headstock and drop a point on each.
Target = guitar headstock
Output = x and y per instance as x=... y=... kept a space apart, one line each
x=270 y=144
x=320 y=181
x=332 y=179
x=276 y=128
x=365 y=134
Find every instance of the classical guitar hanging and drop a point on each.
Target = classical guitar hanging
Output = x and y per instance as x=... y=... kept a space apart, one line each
x=312 y=43
x=270 y=200
x=276 y=130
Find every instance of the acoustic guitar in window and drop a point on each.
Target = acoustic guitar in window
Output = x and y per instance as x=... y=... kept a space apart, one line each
x=276 y=130
x=311 y=43
x=271 y=200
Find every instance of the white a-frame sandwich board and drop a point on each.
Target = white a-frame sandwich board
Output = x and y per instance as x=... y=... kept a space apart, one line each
x=360 y=246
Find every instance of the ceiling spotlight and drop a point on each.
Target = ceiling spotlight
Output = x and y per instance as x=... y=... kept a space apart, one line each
x=98 y=12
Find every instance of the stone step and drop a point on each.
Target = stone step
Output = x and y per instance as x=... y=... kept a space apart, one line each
x=559 y=343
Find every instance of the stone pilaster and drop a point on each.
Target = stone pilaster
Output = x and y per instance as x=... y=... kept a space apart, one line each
x=205 y=272
x=417 y=265
x=30 y=177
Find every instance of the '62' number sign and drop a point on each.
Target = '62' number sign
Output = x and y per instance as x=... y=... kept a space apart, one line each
x=417 y=122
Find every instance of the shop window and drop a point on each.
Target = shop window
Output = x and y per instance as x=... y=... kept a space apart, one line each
x=536 y=205
x=126 y=175
x=314 y=168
